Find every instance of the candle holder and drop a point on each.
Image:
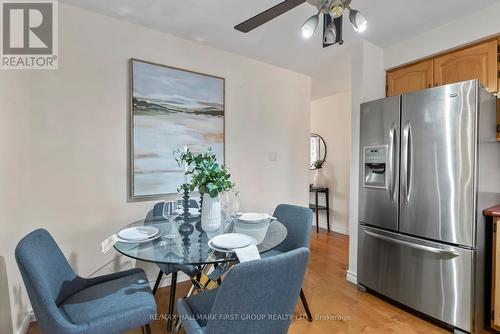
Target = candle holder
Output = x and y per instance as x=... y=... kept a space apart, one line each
x=198 y=222
x=185 y=204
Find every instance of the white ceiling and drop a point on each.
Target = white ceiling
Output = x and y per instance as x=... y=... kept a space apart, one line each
x=279 y=42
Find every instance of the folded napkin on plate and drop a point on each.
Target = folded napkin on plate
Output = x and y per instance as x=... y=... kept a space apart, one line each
x=108 y=243
x=248 y=253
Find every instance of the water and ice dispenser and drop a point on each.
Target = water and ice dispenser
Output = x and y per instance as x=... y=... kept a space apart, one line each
x=375 y=166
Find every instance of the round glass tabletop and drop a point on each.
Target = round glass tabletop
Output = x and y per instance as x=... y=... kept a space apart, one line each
x=185 y=242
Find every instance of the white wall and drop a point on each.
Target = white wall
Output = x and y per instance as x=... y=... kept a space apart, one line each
x=334 y=78
x=64 y=135
x=14 y=183
x=368 y=83
x=469 y=28
x=331 y=119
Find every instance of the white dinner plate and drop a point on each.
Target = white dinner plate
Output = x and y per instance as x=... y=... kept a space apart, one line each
x=138 y=233
x=253 y=217
x=225 y=250
x=232 y=240
x=140 y=241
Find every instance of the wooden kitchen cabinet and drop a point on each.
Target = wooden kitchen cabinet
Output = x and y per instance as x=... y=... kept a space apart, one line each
x=495 y=284
x=494 y=213
x=498 y=120
x=478 y=61
x=410 y=78
x=498 y=62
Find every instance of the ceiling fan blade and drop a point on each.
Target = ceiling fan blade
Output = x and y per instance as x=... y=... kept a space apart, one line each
x=268 y=15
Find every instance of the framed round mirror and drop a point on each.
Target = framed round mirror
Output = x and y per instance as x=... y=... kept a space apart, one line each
x=318 y=149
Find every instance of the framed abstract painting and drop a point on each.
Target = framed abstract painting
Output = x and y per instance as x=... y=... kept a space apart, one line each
x=171 y=109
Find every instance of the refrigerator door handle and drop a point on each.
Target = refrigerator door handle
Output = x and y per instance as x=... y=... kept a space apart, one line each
x=410 y=164
x=404 y=162
x=393 y=135
x=407 y=162
x=449 y=253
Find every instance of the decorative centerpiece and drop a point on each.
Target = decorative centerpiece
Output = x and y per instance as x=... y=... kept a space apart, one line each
x=319 y=177
x=210 y=179
x=184 y=188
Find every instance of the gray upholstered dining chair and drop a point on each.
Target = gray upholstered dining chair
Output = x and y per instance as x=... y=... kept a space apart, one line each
x=65 y=303
x=156 y=215
x=298 y=222
x=255 y=297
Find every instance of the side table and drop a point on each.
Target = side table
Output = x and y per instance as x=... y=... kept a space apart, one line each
x=317 y=207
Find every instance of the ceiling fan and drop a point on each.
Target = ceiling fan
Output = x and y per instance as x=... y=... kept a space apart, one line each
x=332 y=10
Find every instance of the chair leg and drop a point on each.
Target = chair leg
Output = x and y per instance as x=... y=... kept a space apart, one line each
x=171 y=301
x=328 y=209
x=304 y=302
x=200 y=271
x=317 y=211
x=178 y=326
x=157 y=283
x=146 y=329
x=191 y=290
x=219 y=280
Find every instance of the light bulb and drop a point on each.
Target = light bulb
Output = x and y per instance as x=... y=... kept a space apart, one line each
x=358 y=21
x=330 y=34
x=310 y=26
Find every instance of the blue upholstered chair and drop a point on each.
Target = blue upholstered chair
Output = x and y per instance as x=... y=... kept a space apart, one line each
x=255 y=297
x=156 y=215
x=298 y=221
x=65 y=303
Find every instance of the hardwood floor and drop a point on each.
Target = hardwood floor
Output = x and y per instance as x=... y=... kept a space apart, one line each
x=337 y=304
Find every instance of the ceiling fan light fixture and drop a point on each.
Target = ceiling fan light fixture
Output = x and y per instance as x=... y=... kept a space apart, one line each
x=331 y=10
x=310 y=26
x=358 y=21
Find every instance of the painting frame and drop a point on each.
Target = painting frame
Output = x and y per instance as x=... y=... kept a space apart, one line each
x=132 y=196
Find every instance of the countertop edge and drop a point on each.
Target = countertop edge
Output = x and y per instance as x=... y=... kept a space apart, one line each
x=493 y=211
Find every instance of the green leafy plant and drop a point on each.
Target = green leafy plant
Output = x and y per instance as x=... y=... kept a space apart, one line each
x=205 y=173
x=318 y=164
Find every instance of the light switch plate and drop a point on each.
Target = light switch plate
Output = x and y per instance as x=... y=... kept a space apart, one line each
x=273 y=156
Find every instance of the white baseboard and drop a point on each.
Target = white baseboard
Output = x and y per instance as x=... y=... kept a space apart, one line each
x=29 y=317
x=352 y=277
x=335 y=228
x=339 y=229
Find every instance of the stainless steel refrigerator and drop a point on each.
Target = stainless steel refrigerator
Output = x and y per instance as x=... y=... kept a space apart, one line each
x=429 y=165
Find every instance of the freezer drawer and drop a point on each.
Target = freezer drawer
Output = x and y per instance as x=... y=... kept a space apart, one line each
x=429 y=277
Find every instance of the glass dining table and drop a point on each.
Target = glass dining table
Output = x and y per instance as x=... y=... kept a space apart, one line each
x=183 y=241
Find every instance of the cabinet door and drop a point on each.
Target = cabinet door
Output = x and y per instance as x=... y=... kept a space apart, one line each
x=475 y=62
x=495 y=282
x=498 y=119
x=410 y=78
